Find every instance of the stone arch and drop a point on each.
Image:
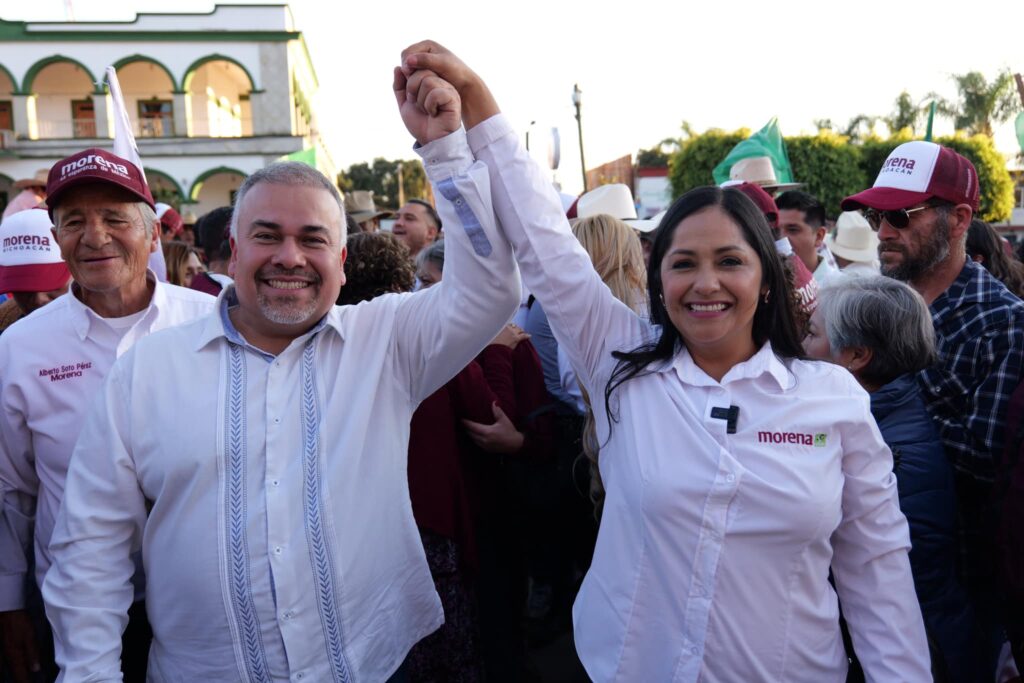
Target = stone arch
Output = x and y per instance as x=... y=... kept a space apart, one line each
x=131 y=59
x=33 y=71
x=186 y=80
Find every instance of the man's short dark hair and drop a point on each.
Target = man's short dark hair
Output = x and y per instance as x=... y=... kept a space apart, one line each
x=212 y=234
x=814 y=212
x=431 y=211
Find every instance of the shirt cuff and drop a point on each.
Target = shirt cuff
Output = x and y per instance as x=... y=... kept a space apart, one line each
x=446 y=157
x=487 y=131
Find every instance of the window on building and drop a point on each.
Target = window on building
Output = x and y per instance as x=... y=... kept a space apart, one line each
x=6 y=115
x=83 y=119
x=156 y=118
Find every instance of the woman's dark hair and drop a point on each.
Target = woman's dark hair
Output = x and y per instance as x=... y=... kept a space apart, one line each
x=378 y=263
x=774 y=321
x=984 y=241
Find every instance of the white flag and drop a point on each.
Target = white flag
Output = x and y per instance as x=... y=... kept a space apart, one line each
x=125 y=147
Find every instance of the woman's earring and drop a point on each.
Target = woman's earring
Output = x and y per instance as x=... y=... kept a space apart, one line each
x=766 y=295
x=662 y=297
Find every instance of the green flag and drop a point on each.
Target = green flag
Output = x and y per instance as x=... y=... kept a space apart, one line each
x=1020 y=130
x=766 y=142
x=931 y=120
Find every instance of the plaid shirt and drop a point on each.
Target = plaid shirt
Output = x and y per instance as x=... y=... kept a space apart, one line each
x=979 y=334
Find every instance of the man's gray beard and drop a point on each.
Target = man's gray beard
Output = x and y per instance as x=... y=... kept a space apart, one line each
x=932 y=254
x=285 y=312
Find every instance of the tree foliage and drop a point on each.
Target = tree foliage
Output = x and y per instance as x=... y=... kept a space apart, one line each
x=381 y=178
x=828 y=165
x=832 y=167
x=980 y=104
x=698 y=155
x=904 y=116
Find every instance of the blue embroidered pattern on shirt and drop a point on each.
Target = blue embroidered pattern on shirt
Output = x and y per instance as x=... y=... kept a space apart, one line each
x=316 y=537
x=476 y=234
x=254 y=655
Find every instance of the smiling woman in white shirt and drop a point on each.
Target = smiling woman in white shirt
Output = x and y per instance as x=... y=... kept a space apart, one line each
x=736 y=473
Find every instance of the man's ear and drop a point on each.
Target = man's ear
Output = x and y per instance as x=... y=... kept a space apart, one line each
x=960 y=220
x=344 y=255
x=154 y=233
x=819 y=236
x=856 y=358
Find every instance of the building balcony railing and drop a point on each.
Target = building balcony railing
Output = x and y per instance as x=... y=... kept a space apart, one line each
x=154 y=127
x=56 y=129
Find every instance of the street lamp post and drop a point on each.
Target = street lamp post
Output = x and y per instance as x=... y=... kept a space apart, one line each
x=576 y=101
x=528 y=129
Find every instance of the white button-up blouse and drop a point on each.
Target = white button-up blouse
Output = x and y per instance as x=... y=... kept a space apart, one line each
x=714 y=550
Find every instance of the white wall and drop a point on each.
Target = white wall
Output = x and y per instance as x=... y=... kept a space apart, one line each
x=216 y=192
x=57 y=85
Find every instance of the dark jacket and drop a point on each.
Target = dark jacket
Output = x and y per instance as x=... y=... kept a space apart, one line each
x=924 y=479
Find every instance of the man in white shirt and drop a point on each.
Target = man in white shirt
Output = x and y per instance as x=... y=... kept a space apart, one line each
x=274 y=515
x=802 y=220
x=53 y=362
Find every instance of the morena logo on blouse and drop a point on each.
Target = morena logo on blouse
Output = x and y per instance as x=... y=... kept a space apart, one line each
x=796 y=438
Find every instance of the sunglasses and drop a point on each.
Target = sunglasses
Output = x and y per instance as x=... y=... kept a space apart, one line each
x=899 y=218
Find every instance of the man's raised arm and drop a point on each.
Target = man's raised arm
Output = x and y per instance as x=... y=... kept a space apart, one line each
x=439 y=331
x=587 y=319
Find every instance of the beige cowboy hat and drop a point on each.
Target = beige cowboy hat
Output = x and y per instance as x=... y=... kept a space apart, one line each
x=758 y=171
x=854 y=240
x=615 y=200
x=39 y=180
x=359 y=204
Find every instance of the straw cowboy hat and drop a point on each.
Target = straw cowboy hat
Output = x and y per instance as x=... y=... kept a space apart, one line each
x=616 y=201
x=359 y=204
x=758 y=171
x=38 y=181
x=854 y=240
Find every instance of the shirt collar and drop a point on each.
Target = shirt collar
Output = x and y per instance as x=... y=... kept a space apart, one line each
x=763 y=362
x=83 y=317
x=219 y=324
x=971 y=285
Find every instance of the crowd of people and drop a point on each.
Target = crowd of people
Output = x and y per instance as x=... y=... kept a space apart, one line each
x=741 y=441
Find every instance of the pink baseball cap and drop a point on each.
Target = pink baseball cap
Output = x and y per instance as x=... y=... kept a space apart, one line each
x=29 y=256
x=916 y=172
x=95 y=165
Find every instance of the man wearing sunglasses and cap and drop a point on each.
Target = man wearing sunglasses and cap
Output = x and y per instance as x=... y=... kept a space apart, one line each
x=921 y=206
x=54 y=361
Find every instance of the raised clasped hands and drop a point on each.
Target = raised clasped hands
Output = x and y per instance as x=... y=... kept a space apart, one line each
x=428 y=66
x=429 y=105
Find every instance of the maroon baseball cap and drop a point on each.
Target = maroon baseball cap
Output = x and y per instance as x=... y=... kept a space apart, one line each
x=91 y=166
x=915 y=172
x=170 y=220
x=763 y=200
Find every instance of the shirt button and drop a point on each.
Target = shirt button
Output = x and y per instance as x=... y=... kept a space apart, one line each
x=289 y=615
x=730 y=478
x=277 y=420
x=277 y=550
x=276 y=482
x=299 y=676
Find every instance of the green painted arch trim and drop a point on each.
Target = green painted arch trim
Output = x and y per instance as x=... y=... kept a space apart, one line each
x=197 y=184
x=186 y=81
x=9 y=179
x=166 y=176
x=14 y=81
x=131 y=59
x=33 y=71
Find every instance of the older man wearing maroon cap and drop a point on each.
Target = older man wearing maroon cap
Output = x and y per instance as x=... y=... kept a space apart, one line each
x=53 y=363
x=921 y=206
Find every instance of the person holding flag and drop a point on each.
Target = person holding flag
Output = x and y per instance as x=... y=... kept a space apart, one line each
x=54 y=361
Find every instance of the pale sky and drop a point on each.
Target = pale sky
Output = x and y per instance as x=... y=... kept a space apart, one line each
x=643 y=66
